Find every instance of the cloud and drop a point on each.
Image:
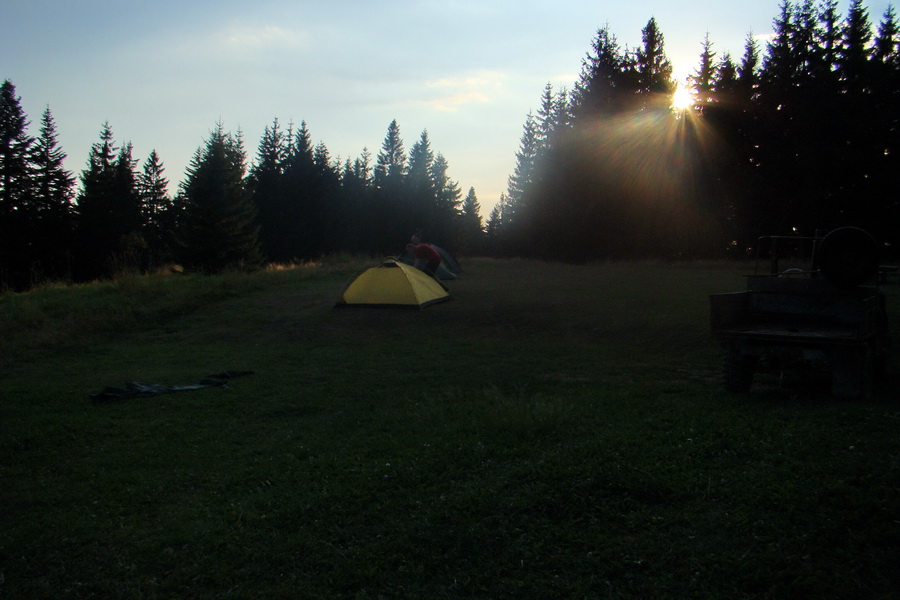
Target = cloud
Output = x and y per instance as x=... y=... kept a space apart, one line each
x=453 y=102
x=459 y=91
x=262 y=37
x=481 y=80
x=241 y=43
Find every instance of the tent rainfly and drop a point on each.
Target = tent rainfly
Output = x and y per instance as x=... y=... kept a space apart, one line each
x=393 y=284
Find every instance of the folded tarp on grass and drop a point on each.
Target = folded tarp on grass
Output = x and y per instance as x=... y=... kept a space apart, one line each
x=134 y=389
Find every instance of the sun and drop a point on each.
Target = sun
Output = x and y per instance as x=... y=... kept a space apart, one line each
x=683 y=98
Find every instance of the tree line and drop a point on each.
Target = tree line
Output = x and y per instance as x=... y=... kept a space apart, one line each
x=795 y=138
x=293 y=202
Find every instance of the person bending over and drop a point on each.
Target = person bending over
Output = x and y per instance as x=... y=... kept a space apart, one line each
x=427 y=258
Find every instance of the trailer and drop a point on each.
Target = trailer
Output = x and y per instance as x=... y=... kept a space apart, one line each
x=828 y=317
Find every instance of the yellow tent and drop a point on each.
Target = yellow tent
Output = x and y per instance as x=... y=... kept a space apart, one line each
x=393 y=283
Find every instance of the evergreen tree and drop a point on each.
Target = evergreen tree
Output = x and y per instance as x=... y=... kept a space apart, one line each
x=219 y=230
x=322 y=161
x=471 y=229
x=886 y=42
x=829 y=38
x=362 y=168
x=782 y=108
x=15 y=189
x=50 y=225
x=268 y=189
x=654 y=71
x=601 y=87
x=748 y=70
x=15 y=151
x=704 y=78
x=554 y=118
x=53 y=184
x=158 y=213
x=421 y=156
x=108 y=209
x=129 y=209
x=422 y=208
x=856 y=50
x=805 y=36
x=779 y=65
x=356 y=187
x=523 y=175
x=330 y=222
x=725 y=86
x=301 y=214
x=886 y=163
x=390 y=218
x=546 y=119
x=300 y=152
x=442 y=225
x=390 y=165
x=495 y=228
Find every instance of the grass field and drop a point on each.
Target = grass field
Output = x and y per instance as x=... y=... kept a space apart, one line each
x=553 y=432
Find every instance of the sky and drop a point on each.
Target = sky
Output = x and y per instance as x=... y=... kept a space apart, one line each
x=163 y=73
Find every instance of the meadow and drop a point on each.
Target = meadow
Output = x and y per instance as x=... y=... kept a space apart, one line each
x=554 y=431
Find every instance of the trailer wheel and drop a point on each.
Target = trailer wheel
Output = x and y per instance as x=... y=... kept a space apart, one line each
x=853 y=374
x=848 y=257
x=738 y=371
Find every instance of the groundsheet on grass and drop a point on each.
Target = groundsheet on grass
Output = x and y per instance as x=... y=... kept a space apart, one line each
x=135 y=389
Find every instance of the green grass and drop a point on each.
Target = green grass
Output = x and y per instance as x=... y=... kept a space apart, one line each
x=553 y=432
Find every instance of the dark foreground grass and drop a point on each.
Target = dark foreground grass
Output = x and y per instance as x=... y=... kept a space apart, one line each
x=553 y=432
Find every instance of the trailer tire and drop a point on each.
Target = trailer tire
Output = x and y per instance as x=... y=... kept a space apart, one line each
x=853 y=374
x=737 y=371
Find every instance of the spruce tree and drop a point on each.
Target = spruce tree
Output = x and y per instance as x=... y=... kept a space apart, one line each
x=421 y=157
x=725 y=84
x=220 y=230
x=546 y=118
x=601 y=85
x=53 y=184
x=108 y=210
x=390 y=225
x=295 y=236
x=447 y=200
x=654 y=71
x=356 y=187
x=886 y=78
x=15 y=190
x=15 y=151
x=494 y=230
x=779 y=65
x=390 y=163
x=856 y=50
x=806 y=35
x=269 y=192
x=748 y=71
x=886 y=42
x=52 y=223
x=829 y=38
x=704 y=78
x=471 y=227
x=362 y=167
x=523 y=175
x=421 y=210
x=330 y=223
x=157 y=210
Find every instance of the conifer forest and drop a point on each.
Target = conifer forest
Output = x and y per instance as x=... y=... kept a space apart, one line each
x=798 y=135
